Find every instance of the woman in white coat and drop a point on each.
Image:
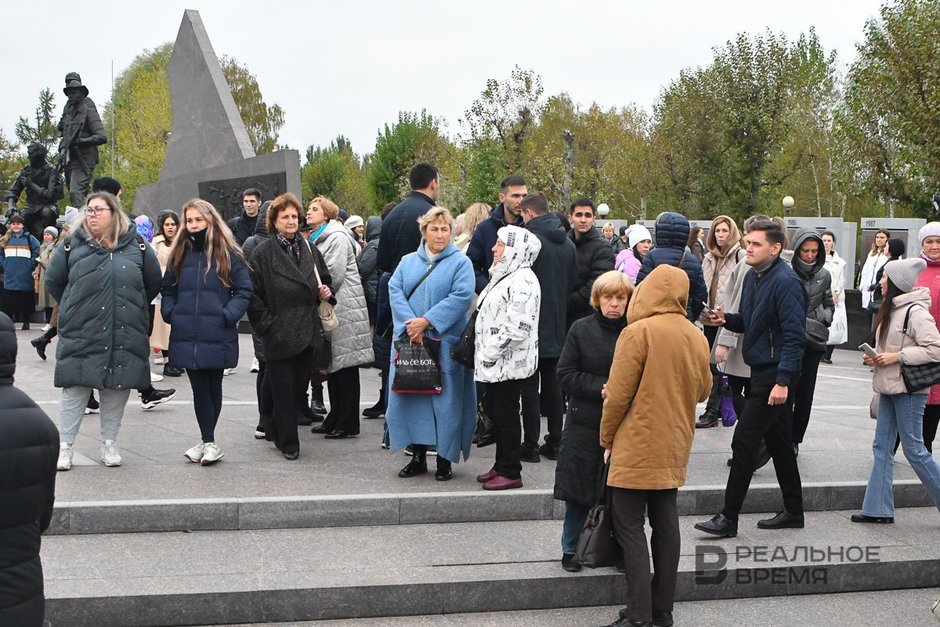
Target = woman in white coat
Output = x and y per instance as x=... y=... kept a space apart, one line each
x=507 y=346
x=838 y=332
x=877 y=257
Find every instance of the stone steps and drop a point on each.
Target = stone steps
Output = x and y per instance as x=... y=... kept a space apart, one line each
x=271 y=575
x=215 y=514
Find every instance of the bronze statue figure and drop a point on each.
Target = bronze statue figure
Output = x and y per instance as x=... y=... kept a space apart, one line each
x=43 y=187
x=82 y=133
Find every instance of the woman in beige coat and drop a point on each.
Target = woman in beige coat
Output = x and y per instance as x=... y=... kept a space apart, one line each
x=646 y=431
x=168 y=224
x=906 y=334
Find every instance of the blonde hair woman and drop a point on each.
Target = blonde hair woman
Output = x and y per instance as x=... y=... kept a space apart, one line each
x=104 y=279
x=472 y=217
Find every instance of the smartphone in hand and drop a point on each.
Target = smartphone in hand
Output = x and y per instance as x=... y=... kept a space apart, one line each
x=868 y=350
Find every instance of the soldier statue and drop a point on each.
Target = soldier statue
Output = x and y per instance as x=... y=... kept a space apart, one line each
x=43 y=187
x=82 y=133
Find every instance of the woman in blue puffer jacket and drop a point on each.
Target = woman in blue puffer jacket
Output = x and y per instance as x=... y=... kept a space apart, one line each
x=206 y=290
x=18 y=254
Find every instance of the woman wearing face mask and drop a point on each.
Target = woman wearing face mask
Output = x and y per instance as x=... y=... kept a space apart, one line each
x=18 y=254
x=629 y=260
x=835 y=265
x=206 y=290
x=582 y=372
x=104 y=280
x=168 y=224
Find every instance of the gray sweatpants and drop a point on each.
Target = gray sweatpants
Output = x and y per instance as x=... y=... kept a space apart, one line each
x=72 y=410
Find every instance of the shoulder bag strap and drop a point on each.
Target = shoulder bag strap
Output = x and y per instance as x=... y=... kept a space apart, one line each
x=316 y=272
x=421 y=280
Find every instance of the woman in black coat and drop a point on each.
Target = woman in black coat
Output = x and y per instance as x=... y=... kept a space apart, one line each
x=283 y=312
x=206 y=290
x=582 y=372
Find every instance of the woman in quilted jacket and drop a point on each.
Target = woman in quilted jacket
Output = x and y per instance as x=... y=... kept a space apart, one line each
x=507 y=345
x=205 y=292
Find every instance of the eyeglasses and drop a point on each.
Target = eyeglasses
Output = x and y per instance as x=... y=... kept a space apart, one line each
x=96 y=211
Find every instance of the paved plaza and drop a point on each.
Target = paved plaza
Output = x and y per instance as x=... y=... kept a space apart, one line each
x=337 y=535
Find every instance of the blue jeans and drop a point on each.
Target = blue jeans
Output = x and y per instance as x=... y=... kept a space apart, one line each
x=899 y=414
x=575 y=515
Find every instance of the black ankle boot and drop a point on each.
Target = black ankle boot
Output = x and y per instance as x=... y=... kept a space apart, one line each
x=316 y=405
x=444 y=470
x=40 y=343
x=417 y=466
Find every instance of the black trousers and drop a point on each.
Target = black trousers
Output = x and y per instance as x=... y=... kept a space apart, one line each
x=803 y=395
x=771 y=423
x=343 y=386
x=714 y=398
x=263 y=391
x=504 y=397
x=285 y=377
x=645 y=595
x=207 y=400
x=548 y=402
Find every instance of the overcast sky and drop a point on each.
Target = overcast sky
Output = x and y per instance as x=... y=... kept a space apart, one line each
x=350 y=67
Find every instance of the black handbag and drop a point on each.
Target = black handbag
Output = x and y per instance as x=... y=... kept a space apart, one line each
x=417 y=367
x=920 y=376
x=465 y=349
x=597 y=546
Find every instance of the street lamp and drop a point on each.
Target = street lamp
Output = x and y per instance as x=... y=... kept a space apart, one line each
x=603 y=210
x=787 y=204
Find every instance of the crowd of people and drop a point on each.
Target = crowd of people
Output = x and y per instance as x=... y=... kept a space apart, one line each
x=561 y=315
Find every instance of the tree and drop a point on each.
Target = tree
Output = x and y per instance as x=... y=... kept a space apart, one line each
x=43 y=130
x=262 y=122
x=141 y=116
x=335 y=172
x=10 y=163
x=891 y=114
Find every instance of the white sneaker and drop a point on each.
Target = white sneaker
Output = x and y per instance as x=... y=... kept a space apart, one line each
x=255 y=366
x=159 y=360
x=65 y=457
x=155 y=378
x=228 y=371
x=45 y=327
x=195 y=453
x=212 y=454
x=109 y=454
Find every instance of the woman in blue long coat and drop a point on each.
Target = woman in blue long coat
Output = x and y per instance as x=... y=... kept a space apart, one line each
x=434 y=306
x=206 y=290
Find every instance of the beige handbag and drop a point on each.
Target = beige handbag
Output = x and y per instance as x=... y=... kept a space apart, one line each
x=328 y=319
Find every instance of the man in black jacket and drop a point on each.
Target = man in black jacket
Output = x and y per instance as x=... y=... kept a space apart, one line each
x=29 y=445
x=555 y=269
x=595 y=257
x=243 y=226
x=480 y=249
x=772 y=319
x=82 y=133
x=400 y=234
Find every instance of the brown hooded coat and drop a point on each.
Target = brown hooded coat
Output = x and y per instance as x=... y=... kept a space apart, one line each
x=649 y=414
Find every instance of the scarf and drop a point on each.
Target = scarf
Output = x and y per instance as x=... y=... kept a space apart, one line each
x=290 y=246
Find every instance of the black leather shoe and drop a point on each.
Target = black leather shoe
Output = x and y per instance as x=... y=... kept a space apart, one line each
x=708 y=420
x=719 y=526
x=414 y=468
x=339 y=434
x=570 y=564
x=783 y=520
x=529 y=454
x=486 y=438
x=662 y=619
x=878 y=520
x=549 y=451
x=376 y=411
x=318 y=407
x=292 y=455
x=319 y=429
x=444 y=470
x=623 y=621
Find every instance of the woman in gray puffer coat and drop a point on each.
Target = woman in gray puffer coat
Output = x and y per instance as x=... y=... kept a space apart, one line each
x=809 y=259
x=104 y=277
x=351 y=342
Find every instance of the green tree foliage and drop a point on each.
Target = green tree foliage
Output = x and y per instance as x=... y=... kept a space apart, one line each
x=336 y=172
x=42 y=129
x=11 y=160
x=262 y=122
x=141 y=118
x=891 y=117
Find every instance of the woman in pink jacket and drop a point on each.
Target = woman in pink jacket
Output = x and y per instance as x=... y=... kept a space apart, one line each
x=929 y=238
x=629 y=260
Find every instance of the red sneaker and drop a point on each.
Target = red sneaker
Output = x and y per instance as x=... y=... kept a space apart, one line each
x=499 y=482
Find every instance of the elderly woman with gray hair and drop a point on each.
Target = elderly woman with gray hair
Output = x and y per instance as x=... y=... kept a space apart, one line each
x=430 y=293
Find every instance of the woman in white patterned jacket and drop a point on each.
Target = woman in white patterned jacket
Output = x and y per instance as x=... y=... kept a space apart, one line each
x=507 y=346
